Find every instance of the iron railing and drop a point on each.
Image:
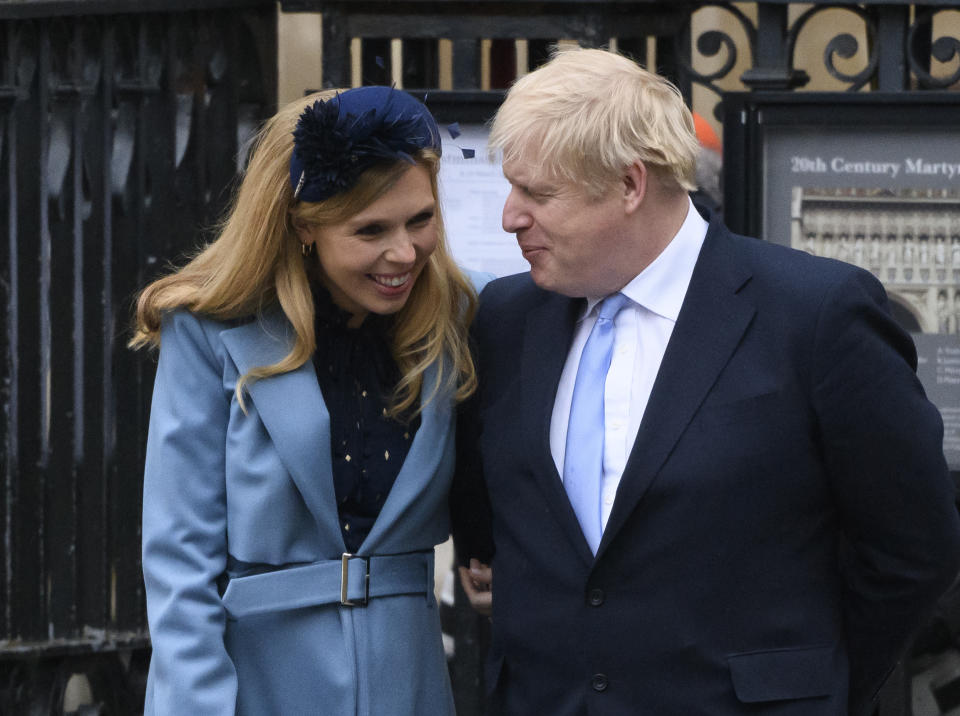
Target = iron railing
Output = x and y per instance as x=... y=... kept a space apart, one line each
x=120 y=130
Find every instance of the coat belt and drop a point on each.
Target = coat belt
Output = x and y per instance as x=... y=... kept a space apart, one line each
x=349 y=581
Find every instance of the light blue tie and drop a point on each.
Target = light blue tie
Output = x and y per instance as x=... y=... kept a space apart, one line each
x=583 y=456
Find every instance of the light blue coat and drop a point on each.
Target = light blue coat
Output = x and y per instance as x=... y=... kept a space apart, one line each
x=222 y=487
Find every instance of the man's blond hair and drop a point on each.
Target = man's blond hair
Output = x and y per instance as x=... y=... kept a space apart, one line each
x=587 y=115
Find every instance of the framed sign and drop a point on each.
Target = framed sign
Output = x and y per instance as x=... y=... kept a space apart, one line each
x=472 y=187
x=868 y=178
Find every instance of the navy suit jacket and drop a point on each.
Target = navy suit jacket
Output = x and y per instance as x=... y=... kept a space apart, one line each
x=784 y=521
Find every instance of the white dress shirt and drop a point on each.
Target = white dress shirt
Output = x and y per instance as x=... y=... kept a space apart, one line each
x=643 y=329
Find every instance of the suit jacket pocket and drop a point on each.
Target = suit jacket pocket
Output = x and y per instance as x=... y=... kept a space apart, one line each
x=781 y=674
x=751 y=409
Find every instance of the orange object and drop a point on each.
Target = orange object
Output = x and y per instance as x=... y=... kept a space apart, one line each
x=705 y=133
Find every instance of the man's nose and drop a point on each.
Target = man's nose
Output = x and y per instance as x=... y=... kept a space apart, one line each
x=515 y=215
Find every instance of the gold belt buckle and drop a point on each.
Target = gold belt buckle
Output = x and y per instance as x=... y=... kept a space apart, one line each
x=345 y=580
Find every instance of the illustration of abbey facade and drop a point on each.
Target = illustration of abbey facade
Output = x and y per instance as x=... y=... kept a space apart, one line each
x=907 y=238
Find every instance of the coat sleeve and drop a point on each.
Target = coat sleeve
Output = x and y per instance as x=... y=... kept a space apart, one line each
x=470 y=512
x=184 y=526
x=883 y=449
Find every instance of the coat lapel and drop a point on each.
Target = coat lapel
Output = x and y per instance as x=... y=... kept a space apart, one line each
x=549 y=330
x=293 y=412
x=711 y=323
x=421 y=464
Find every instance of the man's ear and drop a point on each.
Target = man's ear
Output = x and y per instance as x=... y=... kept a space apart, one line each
x=635 y=186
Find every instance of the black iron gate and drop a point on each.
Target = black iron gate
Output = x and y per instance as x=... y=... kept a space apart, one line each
x=120 y=135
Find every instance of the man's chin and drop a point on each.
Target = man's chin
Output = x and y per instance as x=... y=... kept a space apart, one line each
x=541 y=278
x=548 y=282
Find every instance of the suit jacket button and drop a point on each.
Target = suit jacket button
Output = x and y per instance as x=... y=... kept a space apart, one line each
x=596 y=597
x=599 y=682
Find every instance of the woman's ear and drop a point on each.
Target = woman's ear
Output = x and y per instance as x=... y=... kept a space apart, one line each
x=635 y=186
x=305 y=231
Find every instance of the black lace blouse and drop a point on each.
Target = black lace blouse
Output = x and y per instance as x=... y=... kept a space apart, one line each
x=357 y=376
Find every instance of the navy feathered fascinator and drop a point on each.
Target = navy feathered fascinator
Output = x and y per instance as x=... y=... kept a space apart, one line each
x=337 y=140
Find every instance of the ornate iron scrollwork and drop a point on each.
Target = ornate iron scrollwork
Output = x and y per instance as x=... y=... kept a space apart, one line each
x=943 y=49
x=712 y=43
x=843 y=45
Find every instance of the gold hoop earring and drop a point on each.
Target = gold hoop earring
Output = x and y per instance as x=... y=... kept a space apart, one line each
x=306 y=249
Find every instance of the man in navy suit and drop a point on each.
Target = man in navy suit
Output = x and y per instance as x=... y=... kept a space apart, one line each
x=768 y=515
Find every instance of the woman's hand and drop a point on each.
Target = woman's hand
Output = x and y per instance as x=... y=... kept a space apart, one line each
x=477 y=583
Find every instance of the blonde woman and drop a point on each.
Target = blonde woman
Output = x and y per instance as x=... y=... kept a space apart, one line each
x=300 y=442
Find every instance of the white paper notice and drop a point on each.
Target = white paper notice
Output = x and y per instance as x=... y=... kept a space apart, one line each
x=472 y=192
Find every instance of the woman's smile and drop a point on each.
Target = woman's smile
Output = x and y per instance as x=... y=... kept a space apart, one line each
x=370 y=262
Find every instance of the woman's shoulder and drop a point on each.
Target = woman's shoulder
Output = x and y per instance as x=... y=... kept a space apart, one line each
x=478 y=279
x=192 y=330
x=183 y=319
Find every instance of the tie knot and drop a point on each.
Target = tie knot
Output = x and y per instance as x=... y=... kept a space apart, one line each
x=611 y=305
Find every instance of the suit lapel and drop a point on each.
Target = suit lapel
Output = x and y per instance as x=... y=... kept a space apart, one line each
x=293 y=412
x=710 y=325
x=549 y=330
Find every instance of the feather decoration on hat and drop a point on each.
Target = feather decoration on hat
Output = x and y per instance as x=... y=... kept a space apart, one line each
x=333 y=150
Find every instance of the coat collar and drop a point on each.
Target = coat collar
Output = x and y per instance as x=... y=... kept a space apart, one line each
x=421 y=465
x=291 y=408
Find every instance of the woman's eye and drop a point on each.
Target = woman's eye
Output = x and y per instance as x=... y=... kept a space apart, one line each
x=421 y=218
x=369 y=230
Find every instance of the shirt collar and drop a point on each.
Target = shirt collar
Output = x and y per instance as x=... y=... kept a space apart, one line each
x=662 y=285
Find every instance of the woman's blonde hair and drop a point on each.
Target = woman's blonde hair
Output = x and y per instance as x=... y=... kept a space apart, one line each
x=588 y=114
x=256 y=262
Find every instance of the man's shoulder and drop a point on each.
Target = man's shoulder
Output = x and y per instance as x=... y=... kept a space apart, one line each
x=506 y=303
x=785 y=268
x=518 y=282
x=515 y=292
